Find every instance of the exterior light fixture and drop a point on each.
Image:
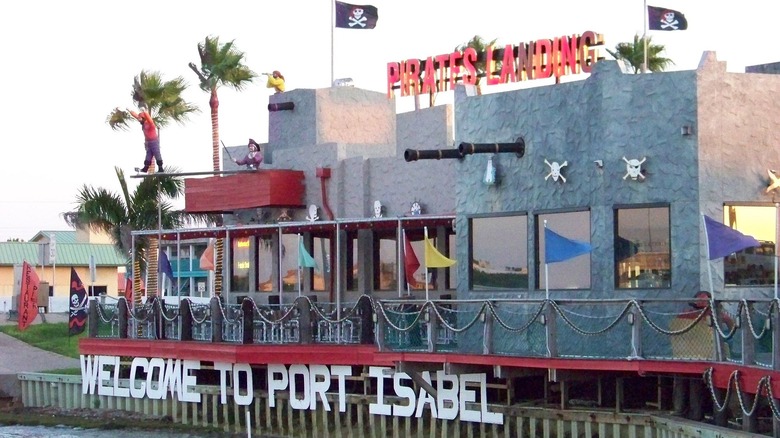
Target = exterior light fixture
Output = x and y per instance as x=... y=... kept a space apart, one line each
x=490 y=173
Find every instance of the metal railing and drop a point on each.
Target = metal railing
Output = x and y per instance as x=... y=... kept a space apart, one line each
x=739 y=332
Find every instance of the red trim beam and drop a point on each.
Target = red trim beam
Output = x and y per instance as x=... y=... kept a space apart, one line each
x=263 y=188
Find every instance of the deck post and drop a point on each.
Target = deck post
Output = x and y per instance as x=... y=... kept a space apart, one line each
x=775 y=338
x=304 y=320
x=216 y=319
x=366 y=312
x=748 y=341
x=248 y=320
x=121 y=313
x=487 y=332
x=93 y=318
x=185 y=313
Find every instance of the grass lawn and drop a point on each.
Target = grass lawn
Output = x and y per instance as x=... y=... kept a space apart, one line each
x=48 y=336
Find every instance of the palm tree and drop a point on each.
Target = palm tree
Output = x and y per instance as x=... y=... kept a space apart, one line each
x=220 y=64
x=478 y=43
x=163 y=100
x=119 y=215
x=634 y=54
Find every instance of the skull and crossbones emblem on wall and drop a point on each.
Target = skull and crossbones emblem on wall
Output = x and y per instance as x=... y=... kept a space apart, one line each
x=555 y=170
x=357 y=18
x=634 y=168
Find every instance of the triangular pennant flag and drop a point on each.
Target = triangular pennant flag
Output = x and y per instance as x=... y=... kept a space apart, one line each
x=435 y=259
x=304 y=258
x=723 y=241
x=207 y=259
x=558 y=248
x=411 y=263
x=164 y=266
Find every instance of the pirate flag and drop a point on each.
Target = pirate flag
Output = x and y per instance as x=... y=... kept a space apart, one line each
x=665 y=19
x=78 y=304
x=356 y=16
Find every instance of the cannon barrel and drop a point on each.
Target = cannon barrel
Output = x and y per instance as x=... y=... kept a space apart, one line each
x=518 y=147
x=431 y=154
x=284 y=106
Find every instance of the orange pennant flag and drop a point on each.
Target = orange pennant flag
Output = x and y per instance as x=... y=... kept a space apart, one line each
x=207 y=259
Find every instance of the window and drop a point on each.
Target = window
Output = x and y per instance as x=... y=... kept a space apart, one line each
x=642 y=248
x=266 y=256
x=352 y=272
x=498 y=253
x=321 y=253
x=239 y=279
x=751 y=266
x=385 y=261
x=573 y=273
x=289 y=262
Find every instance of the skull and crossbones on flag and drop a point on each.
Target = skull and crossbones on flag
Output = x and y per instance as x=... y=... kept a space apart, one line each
x=349 y=16
x=665 y=19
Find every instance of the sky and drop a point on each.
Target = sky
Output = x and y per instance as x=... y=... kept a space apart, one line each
x=66 y=65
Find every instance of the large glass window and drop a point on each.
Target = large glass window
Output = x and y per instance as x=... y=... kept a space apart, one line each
x=385 y=262
x=266 y=255
x=321 y=254
x=642 y=248
x=289 y=262
x=351 y=254
x=239 y=279
x=573 y=273
x=498 y=253
x=751 y=266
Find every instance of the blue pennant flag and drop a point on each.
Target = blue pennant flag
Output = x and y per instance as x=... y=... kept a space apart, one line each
x=558 y=248
x=723 y=241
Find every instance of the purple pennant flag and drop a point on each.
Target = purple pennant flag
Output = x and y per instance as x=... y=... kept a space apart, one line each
x=723 y=241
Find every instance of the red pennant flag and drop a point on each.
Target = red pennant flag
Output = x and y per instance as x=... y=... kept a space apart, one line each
x=28 y=298
x=411 y=264
x=129 y=289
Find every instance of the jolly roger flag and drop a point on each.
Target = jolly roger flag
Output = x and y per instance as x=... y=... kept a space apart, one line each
x=356 y=16
x=665 y=19
x=78 y=305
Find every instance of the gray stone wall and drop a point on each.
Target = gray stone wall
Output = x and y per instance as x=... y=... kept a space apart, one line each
x=605 y=117
x=738 y=141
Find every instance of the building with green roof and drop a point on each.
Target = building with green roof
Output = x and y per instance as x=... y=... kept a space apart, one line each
x=72 y=249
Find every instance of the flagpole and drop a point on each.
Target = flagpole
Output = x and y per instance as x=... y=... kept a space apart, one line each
x=281 y=279
x=777 y=233
x=332 y=25
x=299 y=265
x=401 y=234
x=644 y=41
x=546 y=276
x=707 y=256
x=425 y=265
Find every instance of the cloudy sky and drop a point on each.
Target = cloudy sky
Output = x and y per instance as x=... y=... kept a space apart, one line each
x=67 y=64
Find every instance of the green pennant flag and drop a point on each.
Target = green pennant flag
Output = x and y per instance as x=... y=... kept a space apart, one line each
x=304 y=258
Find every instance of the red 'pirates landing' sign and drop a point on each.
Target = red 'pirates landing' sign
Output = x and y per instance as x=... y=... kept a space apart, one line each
x=538 y=59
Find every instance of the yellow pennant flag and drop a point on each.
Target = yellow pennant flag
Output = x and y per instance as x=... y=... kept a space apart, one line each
x=435 y=259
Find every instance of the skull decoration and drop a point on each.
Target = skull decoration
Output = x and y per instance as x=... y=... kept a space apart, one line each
x=377 y=209
x=416 y=209
x=634 y=168
x=74 y=301
x=555 y=170
x=312 y=213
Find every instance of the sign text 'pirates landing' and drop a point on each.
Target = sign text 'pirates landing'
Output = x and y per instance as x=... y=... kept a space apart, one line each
x=538 y=59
